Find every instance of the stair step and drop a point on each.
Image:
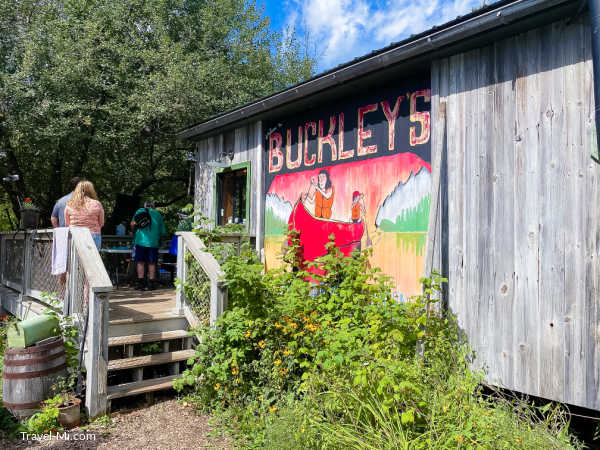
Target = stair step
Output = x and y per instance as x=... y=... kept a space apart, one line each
x=149 y=360
x=141 y=318
x=140 y=387
x=147 y=337
x=155 y=323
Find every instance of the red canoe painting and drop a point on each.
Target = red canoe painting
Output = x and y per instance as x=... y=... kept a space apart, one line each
x=315 y=232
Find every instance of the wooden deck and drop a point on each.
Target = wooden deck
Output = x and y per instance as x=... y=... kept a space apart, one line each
x=132 y=305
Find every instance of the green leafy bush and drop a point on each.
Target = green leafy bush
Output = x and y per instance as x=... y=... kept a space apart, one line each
x=304 y=360
x=45 y=420
x=8 y=424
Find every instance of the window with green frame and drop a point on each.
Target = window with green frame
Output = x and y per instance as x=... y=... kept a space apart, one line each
x=232 y=199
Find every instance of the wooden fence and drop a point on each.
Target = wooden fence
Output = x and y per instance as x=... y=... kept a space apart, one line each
x=25 y=268
x=200 y=276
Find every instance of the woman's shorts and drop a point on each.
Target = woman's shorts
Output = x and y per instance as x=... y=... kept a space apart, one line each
x=97 y=240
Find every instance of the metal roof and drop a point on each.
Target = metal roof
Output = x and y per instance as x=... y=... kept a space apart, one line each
x=478 y=28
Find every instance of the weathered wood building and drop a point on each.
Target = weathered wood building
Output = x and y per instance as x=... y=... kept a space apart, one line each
x=518 y=228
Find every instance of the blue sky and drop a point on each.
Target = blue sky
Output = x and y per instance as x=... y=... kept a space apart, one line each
x=341 y=30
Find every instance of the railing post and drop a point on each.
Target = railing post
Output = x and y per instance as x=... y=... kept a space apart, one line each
x=218 y=300
x=26 y=281
x=3 y=259
x=181 y=274
x=71 y=288
x=96 y=357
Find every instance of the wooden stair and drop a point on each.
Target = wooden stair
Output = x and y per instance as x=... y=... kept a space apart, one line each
x=149 y=360
x=135 y=323
x=147 y=337
x=140 y=387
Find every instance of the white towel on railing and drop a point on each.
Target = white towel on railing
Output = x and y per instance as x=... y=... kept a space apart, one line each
x=60 y=250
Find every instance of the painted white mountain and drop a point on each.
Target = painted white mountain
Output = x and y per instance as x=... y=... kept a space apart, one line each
x=405 y=197
x=281 y=209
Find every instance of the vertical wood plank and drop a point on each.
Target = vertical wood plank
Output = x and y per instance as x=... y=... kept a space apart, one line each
x=96 y=363
x=574 y=158
x=258 y=177
x=550 y=122
x=181 y=274
x=503 y=214
x=485 y=237
x=590 y=309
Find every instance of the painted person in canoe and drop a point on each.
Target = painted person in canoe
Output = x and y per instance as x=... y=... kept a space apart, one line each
x=358 y=207
x=321 y=191
x=315 y=230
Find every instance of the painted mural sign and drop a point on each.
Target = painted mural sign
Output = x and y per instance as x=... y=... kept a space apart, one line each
x=359 y=169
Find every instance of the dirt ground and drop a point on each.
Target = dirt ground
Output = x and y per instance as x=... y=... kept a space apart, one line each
x=165 y=425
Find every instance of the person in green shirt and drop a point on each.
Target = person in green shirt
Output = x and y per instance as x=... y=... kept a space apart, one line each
x=146 y=243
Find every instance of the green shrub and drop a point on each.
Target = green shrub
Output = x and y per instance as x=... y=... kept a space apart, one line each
x=45 y=420
x=302 y=360
x=8 y=424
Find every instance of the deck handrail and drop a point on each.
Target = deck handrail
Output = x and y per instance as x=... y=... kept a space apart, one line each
x=188 y=241
x=25 y=262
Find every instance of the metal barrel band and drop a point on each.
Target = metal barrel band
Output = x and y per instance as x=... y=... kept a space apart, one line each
x=36 y=374
x=29 y=350
x=31 y=405
x=26 y=362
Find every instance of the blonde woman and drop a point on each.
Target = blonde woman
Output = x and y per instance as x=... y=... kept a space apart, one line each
x=84 y=210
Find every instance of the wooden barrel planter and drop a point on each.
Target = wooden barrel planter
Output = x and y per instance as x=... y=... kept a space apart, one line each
x=28 y=375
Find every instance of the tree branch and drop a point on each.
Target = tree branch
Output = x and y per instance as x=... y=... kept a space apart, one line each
x=170 y=202
x=145 y=184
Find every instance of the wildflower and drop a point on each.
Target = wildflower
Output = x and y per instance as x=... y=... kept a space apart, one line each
x=277 y=352
x=260 y=398
x=277 y=325
x=302 y=430
x=293 y=325
x=235 y=393
x=217 y=387
x=273 y=409
x=235 y=371
x=460 y=439
x=445 y=408
x=261 y=343
x=518 y=441
x=237 y=381
x=277 y=362
x=283 y=371
x=287 y=352
x=247 y=334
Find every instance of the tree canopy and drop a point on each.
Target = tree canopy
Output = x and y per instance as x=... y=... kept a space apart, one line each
x=99 y=88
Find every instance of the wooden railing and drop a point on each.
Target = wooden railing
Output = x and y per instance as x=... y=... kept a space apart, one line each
x=25 y=267
x=200 y=277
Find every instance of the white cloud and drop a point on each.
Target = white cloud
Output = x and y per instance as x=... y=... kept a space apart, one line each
x=345 y=29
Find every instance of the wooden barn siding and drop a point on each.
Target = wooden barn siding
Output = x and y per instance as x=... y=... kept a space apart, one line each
x=247 y=148
x=522 y=195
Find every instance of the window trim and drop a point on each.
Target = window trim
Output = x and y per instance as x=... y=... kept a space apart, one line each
x=243 y=165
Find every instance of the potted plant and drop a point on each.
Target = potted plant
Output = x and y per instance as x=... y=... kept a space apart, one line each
x=69 y=406
x=30 y=214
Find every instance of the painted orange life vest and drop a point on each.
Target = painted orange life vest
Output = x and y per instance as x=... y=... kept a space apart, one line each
x=356 y=212
x=323 y=205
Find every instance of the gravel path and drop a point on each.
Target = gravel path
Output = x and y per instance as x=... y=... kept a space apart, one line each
x=166 y=425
